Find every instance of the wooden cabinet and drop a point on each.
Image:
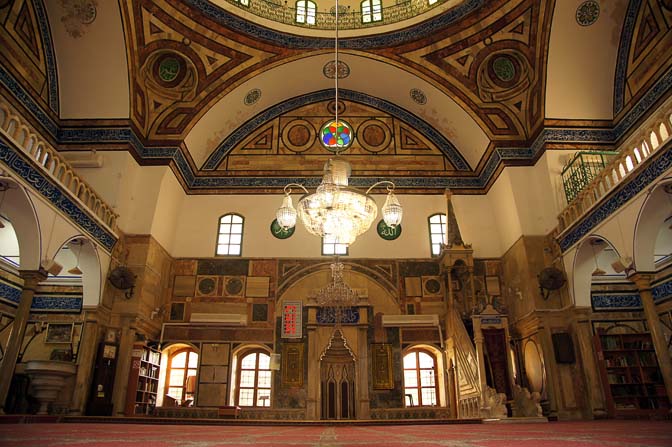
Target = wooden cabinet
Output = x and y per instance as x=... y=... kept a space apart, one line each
x=143 y=381
x=631 y=377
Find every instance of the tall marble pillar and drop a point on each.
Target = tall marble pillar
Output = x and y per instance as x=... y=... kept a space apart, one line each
x=590 y=369
x=643 y=282
x=31 y=278
x=86 y=356
x=123 y=368
x=363 y=407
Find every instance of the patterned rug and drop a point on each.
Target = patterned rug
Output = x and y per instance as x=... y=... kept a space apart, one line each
x=566 y=434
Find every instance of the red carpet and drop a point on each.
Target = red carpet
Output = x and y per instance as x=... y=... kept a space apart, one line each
x=566 y=434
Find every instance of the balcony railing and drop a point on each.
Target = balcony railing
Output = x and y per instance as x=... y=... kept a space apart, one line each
x=38 y=149
x=652 y=135
x=280 y=11
x=582 y=169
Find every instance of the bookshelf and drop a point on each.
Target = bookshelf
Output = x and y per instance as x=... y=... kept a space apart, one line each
x=143 y=381
x=631 y=377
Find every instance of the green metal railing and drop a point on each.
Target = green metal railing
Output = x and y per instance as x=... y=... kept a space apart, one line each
x=582 y=169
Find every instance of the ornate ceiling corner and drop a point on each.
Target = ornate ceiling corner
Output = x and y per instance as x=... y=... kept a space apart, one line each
x=181 y=65
x=495 y=69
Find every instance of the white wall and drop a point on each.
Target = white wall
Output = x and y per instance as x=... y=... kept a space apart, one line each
x=92 y=69
x=582 y=61
x=131 y=190
x=166 y=216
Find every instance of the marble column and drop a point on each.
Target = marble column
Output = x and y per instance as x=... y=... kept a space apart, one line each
x=123 y=369
x=590 y=369
x=313 y=409
x=31 y=278
x=86 y=357
x=643 y=282
x=363 y=408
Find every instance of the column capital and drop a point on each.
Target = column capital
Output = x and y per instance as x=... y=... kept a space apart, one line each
x=31 y=278
x=642 y=280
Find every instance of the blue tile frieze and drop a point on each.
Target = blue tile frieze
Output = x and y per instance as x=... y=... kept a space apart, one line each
x=616 y=301
x=49 y=55
x=327 y=315
x=16 y=162
x=623 y=52
x=53 y=303
x=662 y=292
x=10 y=293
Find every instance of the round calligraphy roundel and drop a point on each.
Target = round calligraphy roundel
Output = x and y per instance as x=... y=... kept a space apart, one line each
x=279 y=232
x=386 y=232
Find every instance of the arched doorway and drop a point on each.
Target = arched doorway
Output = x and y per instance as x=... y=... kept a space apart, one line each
x=337 y=379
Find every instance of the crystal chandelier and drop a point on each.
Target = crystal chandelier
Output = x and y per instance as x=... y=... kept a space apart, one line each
x=336 y=209
x=337 y=295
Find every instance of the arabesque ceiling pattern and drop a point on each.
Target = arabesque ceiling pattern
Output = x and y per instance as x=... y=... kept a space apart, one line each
x=186 y=57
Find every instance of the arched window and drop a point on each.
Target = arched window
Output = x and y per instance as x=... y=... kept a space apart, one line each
x=420 y=387
x=181 y=375
x=230 y=236
x=437 y=232
x=306 y=12
x=254 y=379
x=372 y=11
x=330 y=247
x=244 y=2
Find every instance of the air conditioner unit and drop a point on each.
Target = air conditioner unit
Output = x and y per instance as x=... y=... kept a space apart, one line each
x=220 y=319
x=411 y=320
x=84 y=159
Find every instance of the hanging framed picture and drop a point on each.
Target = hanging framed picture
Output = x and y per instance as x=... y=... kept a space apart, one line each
x=59 y=333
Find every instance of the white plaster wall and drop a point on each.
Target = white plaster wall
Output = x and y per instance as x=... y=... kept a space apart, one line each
x=92 y=68
x=536 y=194
x=506 y=220
x=476 y=218
x=196 y=231
x=131 y=190
x=582 y=61
x=167 y=213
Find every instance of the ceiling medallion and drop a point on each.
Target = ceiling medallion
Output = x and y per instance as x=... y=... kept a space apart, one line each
x=418 y=96
x=76 y=14
x=587 y=13
x=252 y=97
x=343 y=70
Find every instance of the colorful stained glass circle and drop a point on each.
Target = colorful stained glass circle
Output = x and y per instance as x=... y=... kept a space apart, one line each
x=336 y=135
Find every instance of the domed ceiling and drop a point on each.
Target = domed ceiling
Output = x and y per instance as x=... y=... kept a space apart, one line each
x=233 y=101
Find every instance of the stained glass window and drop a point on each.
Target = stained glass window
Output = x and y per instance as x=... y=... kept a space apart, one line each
x=330 y=247
x=420 y=379
x=230 y=238
x=437 y=232
x=336 y=135
x=254 y=380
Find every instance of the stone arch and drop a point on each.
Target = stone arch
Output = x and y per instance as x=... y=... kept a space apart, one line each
x=657 y=207
x=589 y=257
x=17 y=206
